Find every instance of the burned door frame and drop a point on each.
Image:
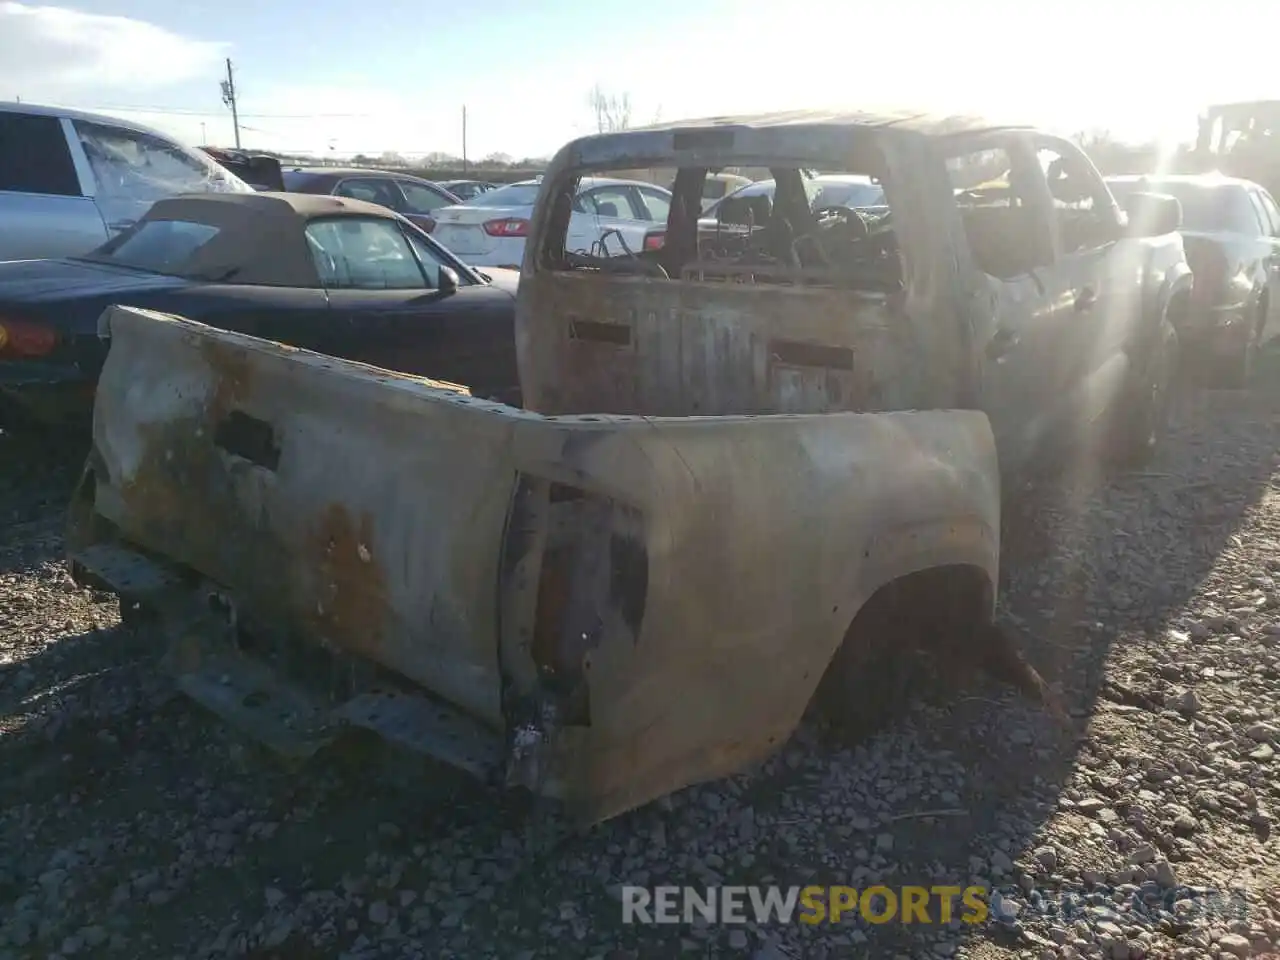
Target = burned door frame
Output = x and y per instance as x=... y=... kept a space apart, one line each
x=1092 y=273
x=1106 y=322
x=1018 y=314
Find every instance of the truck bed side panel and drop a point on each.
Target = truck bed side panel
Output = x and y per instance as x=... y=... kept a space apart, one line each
x=318 y=498
x=682 y=581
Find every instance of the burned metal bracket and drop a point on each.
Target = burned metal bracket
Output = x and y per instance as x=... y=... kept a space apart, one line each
x=425 y=726
x=250 y=694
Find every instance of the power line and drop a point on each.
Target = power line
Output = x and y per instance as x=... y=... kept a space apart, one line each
x=184 y=112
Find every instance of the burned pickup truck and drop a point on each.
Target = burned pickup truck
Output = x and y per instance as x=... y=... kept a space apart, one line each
x=1001 y=276
x=753 y=469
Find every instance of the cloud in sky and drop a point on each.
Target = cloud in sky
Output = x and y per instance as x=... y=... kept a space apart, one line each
x=1142 y=68
x=96 y=62
x=55 y=54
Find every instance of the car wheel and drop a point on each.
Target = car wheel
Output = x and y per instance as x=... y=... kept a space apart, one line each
x=1143 y=412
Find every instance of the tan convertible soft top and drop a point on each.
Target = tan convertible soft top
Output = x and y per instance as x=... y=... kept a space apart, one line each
x=261 y=235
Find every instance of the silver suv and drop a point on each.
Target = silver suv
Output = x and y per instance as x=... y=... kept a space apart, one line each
x=71 y=180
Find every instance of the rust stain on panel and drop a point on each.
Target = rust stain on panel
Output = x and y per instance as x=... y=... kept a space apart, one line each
x=171 y=474
x=179 y=465
x=232 y=375
x=600 y=363
x=326 y=575
x=351 y=593
x=709 y=349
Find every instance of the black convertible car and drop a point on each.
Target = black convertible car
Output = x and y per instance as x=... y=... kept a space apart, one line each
x=331 y=274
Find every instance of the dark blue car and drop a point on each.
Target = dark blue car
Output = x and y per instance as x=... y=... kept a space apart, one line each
x=331 y=274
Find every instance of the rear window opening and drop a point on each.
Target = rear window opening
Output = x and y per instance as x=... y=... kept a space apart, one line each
x=161 y=246
x=512 y=195
x=805 y=227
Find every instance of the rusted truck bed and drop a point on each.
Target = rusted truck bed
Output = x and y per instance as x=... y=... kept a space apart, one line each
x=599 y=608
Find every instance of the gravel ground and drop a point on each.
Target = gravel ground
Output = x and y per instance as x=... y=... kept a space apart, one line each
x=132 y=825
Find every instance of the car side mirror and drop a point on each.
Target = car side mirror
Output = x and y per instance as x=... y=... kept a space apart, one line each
x=448 y=282
x=1152 y=214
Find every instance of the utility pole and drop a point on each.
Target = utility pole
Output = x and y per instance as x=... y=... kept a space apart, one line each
x=229 y=98
x=204 y=141
x=464 y=139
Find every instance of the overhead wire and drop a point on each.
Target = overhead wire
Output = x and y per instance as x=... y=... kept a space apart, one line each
x=185 y=112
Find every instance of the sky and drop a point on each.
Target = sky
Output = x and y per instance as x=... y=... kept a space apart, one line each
x=337 y=76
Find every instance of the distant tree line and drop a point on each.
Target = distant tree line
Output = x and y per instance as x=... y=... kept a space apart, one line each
x=496 y=167
x=439 y=159
x=612 y=112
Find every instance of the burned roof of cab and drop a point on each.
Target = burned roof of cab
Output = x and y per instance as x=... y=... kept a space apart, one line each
x=929 y=124
x=797 y=133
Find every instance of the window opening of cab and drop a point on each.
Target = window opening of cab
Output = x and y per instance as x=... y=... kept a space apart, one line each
x=1242 y=129
x=1008 y=235
x=794 y=228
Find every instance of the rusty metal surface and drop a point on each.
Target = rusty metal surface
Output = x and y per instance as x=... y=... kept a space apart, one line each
x=640 y=585
x=390 y=526
x=342 y=536
x=997 y=306
x=692 y=347
x=715 y=349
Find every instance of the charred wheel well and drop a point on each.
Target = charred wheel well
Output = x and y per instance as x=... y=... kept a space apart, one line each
x=929 y=612
x=927 y=602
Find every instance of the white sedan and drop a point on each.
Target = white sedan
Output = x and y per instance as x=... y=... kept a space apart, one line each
x=490 y=229
x=824 y=190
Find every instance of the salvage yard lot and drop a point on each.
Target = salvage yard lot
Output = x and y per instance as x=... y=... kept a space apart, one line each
x=132 y=825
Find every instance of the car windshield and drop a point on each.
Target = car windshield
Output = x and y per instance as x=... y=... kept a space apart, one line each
x=1205 y=207
x=512 y=195
x=1242 y=127
x=161 y=246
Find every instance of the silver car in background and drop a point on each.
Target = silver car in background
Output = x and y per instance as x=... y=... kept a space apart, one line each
x=69 y=180
x=824 y=190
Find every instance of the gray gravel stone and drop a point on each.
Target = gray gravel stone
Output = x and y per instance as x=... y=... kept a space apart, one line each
x=1235 y=945
x=1149 y=599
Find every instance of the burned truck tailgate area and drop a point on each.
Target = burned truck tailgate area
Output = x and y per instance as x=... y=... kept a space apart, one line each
x=633 y=345
x=601 y=609
x=790 y=301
